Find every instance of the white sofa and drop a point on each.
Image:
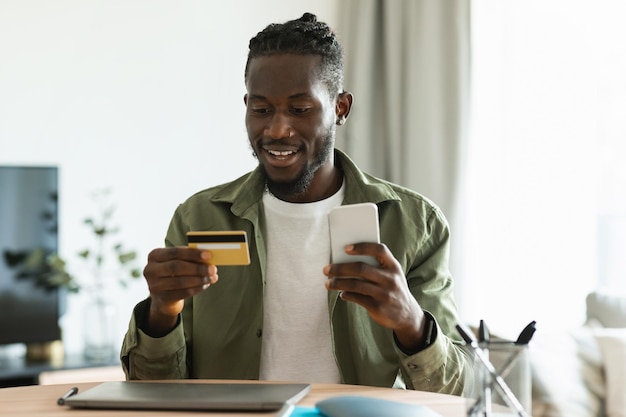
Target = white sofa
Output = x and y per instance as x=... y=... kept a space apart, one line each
x=581 y=372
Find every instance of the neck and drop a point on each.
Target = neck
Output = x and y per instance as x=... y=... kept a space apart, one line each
x=322 y=187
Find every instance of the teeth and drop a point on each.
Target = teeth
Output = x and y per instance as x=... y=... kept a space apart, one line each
x=280 y=153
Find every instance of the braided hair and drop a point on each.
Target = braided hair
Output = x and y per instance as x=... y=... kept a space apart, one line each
x=303 y=36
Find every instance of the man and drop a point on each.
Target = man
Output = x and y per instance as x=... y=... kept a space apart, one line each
x=289 y=315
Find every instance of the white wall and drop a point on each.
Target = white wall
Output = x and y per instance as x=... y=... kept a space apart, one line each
x=142 y=96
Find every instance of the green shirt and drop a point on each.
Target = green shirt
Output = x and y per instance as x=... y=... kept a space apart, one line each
x=220 y=330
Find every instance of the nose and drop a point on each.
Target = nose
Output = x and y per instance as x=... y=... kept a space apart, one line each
x=279 y=127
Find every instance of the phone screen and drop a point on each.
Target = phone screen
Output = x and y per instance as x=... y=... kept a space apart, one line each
x=353 y=223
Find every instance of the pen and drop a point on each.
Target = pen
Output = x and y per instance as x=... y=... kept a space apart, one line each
x=526 y=334
x=484 y=401
x=68 y=394
x=483 y=332
x=507 y=394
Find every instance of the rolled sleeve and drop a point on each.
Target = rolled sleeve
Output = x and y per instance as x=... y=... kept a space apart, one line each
x=439 y=365
x=146 y=357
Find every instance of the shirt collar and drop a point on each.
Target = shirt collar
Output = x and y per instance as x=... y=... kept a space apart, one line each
x=246 y=192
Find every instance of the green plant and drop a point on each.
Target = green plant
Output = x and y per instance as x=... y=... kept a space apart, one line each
x=44 y=267
x=105 y=257
x=105 y=248
x=41 y=264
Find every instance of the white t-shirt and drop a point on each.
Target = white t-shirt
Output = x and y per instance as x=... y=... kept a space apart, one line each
x=297 y=342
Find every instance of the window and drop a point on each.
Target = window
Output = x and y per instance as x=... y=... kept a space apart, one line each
x=546 y=213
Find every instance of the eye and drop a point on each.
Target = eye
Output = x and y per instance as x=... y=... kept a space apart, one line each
x=299 y=109
x=258 y=109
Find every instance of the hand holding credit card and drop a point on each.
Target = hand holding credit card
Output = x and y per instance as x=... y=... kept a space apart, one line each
x=227 y=247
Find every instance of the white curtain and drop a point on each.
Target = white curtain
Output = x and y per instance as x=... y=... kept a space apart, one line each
x=407 y=64
x=523 y=184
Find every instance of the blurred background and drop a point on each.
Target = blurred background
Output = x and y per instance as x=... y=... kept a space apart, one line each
x=516 y=112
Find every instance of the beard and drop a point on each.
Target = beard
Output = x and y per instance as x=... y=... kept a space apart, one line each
x=298 y=186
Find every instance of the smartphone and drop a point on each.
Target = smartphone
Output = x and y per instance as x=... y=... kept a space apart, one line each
x=353 y=223
x=227 y=247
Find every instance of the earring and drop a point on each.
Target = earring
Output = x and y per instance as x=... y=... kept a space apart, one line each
x=340 y=121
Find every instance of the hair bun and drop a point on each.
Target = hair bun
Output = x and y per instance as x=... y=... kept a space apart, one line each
x=308 y=17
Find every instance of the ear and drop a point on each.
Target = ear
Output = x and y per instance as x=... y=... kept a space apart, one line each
x=343 y=105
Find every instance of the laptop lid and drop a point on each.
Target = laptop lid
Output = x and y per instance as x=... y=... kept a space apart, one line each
x=190 y=396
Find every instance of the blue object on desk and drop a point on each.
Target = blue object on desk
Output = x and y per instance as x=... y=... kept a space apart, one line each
x=300 y=411
x=357 y=406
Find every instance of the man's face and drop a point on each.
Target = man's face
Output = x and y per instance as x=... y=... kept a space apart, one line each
x=290 y=118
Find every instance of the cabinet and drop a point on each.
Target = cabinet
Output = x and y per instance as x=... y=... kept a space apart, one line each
x=19 y=371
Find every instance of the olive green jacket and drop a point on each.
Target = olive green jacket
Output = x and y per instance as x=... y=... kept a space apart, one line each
x=220 y=330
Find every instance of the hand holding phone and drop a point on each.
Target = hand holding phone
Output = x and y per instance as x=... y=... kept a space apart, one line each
x=349 y=224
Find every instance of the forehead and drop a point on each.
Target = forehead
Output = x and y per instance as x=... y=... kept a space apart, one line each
x=284 y=74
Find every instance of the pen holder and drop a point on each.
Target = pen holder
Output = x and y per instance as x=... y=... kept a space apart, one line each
x=485 y=397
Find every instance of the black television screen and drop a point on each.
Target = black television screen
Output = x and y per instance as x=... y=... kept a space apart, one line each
x=28 y=222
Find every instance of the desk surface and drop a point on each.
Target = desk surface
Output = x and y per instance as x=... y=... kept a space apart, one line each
x=41 y=400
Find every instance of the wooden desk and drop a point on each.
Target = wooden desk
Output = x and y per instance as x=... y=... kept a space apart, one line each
x=41 y=400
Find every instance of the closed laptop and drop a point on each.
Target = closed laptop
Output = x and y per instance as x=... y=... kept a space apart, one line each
x=218 y=396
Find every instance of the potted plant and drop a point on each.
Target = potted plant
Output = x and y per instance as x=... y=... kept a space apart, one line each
x=105 y=260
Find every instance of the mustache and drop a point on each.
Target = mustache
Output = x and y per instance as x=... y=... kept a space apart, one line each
x=277 y=142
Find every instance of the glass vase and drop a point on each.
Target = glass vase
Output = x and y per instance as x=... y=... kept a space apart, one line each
x=99 y=322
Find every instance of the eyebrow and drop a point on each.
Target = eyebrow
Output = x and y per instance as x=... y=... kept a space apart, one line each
x=291 y=97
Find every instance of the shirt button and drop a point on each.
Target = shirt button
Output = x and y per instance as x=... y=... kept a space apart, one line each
x=259 y=333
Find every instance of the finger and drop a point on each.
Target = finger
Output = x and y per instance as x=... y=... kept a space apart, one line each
x=182 y=253
x=177 y=295
x=358 y=294
x=360 y=270
x=174 y=268
x=378 y=251
x=362 y=278
x=178 y=288
x=363 y=300
x=180 y=283
x=178 y=268
x=355 y=286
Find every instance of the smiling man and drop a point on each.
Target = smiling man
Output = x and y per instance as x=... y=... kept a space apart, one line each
x=290 y=315
x=291 y=117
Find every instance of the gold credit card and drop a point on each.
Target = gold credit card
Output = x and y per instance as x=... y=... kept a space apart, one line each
x=227 y=247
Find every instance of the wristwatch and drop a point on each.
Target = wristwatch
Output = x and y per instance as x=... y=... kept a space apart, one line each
x=431 y=330
x=430 y=335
